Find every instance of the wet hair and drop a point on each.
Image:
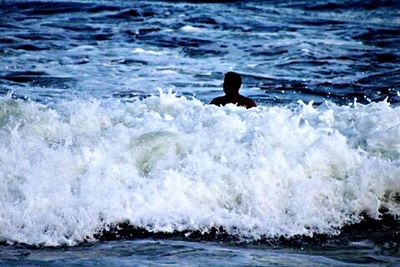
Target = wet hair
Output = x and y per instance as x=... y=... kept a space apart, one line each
x=232 y=83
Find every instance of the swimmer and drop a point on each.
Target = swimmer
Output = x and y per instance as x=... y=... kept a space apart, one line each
x=232 y=83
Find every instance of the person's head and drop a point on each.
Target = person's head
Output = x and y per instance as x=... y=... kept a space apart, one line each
x=232 y=83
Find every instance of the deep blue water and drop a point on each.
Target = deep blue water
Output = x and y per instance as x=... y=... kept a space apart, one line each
x=65 y=66
x=285 y=50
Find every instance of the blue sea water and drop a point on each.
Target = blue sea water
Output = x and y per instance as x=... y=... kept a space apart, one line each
x=110 y=154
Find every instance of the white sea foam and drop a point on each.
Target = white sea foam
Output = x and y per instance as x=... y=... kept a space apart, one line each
x=189 y=28
x=148 y=52
x=171 y=164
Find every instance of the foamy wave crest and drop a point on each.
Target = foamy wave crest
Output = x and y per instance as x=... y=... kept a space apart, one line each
x=170 y=164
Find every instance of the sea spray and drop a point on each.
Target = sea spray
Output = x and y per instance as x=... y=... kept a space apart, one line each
x=167 y=164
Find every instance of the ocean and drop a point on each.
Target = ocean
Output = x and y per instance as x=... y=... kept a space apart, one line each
x=110 y=154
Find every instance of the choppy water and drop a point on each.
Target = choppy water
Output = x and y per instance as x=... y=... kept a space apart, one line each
x=91 y=150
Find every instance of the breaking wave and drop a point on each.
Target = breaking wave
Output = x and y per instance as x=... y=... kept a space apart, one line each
x=170 y=164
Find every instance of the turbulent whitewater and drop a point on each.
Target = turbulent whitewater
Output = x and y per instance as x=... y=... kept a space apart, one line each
x=171 y=164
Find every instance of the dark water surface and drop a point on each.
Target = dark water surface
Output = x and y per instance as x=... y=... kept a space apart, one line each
x=66 y=64
x=285 y=50
x=155 y=252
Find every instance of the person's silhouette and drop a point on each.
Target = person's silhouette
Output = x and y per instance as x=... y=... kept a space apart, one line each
x=232 y=83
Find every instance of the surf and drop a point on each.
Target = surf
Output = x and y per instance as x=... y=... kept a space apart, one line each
x=166 y=164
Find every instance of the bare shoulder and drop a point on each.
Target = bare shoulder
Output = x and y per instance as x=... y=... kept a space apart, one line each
x=218 y=101
x=248 y=102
